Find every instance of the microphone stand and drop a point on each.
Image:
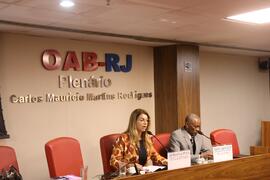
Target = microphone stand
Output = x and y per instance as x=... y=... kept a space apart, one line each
x=136 y=169
x=150 y=133
x=201 y=133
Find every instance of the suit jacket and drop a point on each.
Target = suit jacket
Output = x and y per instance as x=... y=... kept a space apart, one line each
x=126 y=152
x=180 y=140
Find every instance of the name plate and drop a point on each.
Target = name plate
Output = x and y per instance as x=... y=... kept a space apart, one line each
x=179 y=159
x=222 y=153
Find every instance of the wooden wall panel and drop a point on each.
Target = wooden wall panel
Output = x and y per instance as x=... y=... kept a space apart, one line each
x=188 y=84
x=165 y=89
x=254 y=150
x=177 y=92
x=265 y=133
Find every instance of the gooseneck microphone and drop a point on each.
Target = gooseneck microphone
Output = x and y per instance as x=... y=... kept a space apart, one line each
x=150 y=133
x=201 y=133
x=136 y=169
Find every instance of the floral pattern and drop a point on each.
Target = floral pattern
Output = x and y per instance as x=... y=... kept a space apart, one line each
x=126 y=152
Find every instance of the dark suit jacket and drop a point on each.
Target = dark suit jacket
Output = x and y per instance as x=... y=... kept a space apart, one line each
x=180 y=140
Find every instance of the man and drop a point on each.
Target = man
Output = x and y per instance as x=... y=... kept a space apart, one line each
x=187 y=137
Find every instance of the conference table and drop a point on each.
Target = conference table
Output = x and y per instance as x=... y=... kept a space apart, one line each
x=249 y=167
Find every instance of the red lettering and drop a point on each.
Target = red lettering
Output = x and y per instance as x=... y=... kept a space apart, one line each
x=56 y=59
x=71 y=61
x=89 y=61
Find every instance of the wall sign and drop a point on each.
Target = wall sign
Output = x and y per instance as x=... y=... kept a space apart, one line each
x=52 y=60
x=188 y=66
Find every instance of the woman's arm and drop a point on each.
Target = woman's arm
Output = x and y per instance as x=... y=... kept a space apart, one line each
x=157 y=158
x=117 y=153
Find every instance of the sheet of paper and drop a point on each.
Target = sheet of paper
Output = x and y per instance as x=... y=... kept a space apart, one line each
x=179 y=159
x=68 y=177
x=222 y=153
x=152 y=168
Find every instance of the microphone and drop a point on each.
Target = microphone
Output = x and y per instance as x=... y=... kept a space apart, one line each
x=201 y=133
x=136 y=169
x=150 y=133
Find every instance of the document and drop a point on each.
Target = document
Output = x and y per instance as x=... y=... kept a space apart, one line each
x=179 y=159
x=153 y=168
x=222 y=153
x=68 y=177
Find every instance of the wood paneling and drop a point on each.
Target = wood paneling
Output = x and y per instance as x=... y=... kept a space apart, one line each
x=254 y=150
x=188 y=83
x=165 y=70
x=177 y=93
x=252 y=167
x=265 y=138
x=265 y=133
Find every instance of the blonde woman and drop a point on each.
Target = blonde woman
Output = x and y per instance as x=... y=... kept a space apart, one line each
x=134 y=146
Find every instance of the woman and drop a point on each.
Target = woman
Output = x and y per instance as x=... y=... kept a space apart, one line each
x=134 y=146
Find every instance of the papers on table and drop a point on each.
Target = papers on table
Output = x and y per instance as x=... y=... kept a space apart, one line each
x=153 y=168
x=179 y=159
x=182 y=159
x=222 y=153
x=68 y=177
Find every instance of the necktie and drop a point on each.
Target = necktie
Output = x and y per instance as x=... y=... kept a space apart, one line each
x=193 y=144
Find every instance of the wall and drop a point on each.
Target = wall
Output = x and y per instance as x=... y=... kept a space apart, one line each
x=234 y=95
x=31 y=125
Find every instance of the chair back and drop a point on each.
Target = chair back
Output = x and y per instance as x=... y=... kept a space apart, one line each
x=225 y=136
x=8 y=158
x=64 y=156
x=164 y=139
x=106 y=146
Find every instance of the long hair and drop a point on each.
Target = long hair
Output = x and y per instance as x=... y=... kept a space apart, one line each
x=132 y=129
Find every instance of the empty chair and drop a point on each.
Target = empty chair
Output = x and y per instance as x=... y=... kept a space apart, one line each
x=8 y=158
x=64 y=156
x=162 y=146
x=225 y=136
x=106 y=146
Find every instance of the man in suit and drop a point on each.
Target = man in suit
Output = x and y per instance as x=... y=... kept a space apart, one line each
x=187 y=137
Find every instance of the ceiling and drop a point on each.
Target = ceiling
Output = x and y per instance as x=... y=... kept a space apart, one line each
x=142 y=22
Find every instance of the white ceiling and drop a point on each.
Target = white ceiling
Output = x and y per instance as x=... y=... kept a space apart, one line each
x=142 y=22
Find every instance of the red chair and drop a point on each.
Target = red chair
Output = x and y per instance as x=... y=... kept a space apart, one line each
x=64 y=156
x=164 y=140
x=8 y=158
x=106 y=146
x=225 y=136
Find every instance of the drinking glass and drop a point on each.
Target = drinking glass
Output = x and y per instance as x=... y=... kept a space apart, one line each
x=205 y=160
x=200 y=160
x=122 y=169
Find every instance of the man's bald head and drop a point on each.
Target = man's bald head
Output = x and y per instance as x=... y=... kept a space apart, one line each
x=191 y=118
x=192 y=124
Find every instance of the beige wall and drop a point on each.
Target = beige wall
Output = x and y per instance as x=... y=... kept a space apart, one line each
x=31 y=125
x=234 y=95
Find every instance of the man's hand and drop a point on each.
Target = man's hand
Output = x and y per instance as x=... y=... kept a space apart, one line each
x=207 y=155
